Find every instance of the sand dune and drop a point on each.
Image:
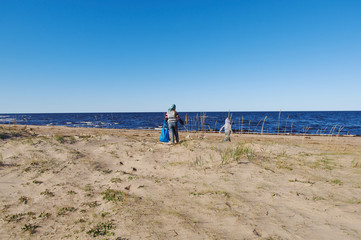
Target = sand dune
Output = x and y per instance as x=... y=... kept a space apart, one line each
x=81 y=183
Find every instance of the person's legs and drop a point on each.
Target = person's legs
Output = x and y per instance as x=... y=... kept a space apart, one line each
x=228 y=136
x=176 y=131
x=171 y=130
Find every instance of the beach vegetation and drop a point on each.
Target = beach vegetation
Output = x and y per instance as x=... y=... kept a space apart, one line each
x=37 y=182
x=104 y=214
x=210 y=192
x=72 y=140
x=356 y=163
x=337 y=182
x=47 y=193
x=71 y=192
x=302 y=181
x=198 y=162
x=59 y=138
x=284 y=165
x=112 y=195
x=237 y=153
x=92 y=204
x=317 y=198
x=24 y=199
x=14 y=217
x=115 y=180
x=76 y=154
x=65 y=210
x=324 y=162
x=102 y=229
x=226 y=156
x=31 y=228
x=107 y=171
x=44 y=215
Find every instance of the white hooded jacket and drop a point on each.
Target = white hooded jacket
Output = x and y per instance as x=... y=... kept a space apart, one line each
x=227 y=126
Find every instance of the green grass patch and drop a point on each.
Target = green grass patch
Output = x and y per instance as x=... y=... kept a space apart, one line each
x=115 y=180
x=337 y=181
x=65 y=210
x=318 y=198
x=112 y=195
x=102 y=229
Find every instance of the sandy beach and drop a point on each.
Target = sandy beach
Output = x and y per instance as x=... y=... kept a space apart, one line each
x=87 y=183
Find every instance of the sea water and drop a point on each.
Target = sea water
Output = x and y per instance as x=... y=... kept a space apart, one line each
x=307 y=122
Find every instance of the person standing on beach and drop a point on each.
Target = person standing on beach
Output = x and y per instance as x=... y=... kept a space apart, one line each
x=227 y=129
x=173 y=117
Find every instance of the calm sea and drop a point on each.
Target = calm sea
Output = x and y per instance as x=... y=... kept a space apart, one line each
x=322 y=122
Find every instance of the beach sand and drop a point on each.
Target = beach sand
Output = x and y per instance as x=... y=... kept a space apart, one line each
x=86 y=183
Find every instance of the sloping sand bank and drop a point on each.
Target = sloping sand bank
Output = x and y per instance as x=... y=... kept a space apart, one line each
x=77 y=183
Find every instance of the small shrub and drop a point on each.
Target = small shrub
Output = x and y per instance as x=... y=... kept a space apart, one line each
x=24 y=199
x=44 y=215
x=47 y=193
x=226 y=156
x=65 y=210
x=102 y=229
x=72 y=140
x=107 y=171
x=356 y=163
x=60 y=139
x=104 y=214
x=198 y=161
x=337 y=181
x=113 y=195
x=37 y=182
x=30 y=228
x=15 y=217
x=317 y=198
x=115 y=180
x=92 y=204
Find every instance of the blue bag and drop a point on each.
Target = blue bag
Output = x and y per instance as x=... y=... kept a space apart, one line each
x=164 y=136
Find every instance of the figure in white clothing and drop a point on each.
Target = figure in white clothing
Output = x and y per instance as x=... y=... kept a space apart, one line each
x=227 y=129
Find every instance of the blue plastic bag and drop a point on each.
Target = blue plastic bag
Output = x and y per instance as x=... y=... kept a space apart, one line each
x=164 y=135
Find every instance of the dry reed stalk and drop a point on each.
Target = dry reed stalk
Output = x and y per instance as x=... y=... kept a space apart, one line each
x=339 y=130
x=242 y=125
x=305 y=130
x=257 y=125
x=291 y=127
x=286 y=124
x=197 y=123
x=263 y=124
x=332 y=130
x=203 y=120
x=215 y=124
x=239 y=125
x=324 y=130
x=249 y=126
x=279 y=118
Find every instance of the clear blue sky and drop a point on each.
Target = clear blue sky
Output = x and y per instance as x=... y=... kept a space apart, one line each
x=125 y=56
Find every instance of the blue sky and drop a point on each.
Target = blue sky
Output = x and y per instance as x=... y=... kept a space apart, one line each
x=129 y=56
